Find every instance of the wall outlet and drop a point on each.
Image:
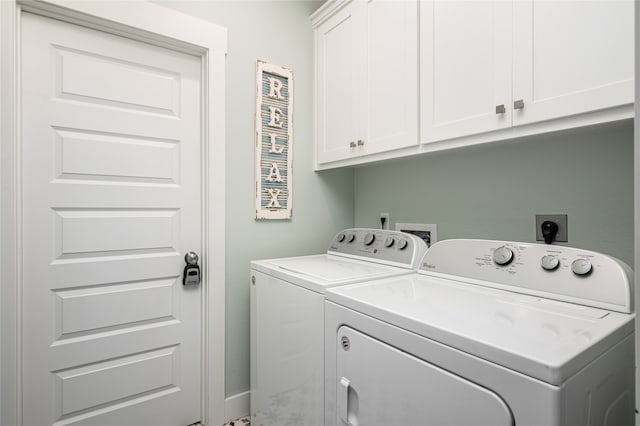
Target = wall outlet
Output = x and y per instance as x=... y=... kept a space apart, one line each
x=384 y=220
x=560 y=220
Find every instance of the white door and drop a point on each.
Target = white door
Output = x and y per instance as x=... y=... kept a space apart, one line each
x=391 y=75
x=111 y=201
x=571 y=57
x=340 y=47
x=465 y=68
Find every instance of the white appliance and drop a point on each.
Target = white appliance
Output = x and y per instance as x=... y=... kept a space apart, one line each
x=287 y=318
x=486 y=333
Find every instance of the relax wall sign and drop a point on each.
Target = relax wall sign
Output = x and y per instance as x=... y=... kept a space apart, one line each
x=274 y=130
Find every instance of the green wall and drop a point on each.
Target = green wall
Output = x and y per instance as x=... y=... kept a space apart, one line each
x=491 y=191
x=494 y=191
x=278 y=32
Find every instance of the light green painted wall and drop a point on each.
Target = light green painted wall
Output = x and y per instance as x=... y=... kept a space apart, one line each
x=492 y=191
x=278 y=32
x=495 y=191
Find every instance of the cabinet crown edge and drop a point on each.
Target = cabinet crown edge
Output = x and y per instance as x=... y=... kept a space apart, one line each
x=325 y=11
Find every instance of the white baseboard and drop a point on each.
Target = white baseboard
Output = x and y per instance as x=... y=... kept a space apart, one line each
x=237 y=406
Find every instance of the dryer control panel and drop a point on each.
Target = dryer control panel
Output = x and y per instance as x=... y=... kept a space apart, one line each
x=381 y=245
x=555 y=272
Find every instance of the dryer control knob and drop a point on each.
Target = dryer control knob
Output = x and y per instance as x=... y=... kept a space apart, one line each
x=503 y=256
x=389 y=242
x=402 y=244
x=369 y=239
x=549 y=262
x=581 y=267
x=350 y=238
x=341 y=237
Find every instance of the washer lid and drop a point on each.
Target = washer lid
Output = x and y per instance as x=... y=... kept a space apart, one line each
x=318 y=272
x=542 y=338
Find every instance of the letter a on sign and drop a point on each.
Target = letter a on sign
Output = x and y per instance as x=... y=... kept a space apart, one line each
x=274 y=131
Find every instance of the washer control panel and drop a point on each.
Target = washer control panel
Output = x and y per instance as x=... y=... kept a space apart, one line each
x=556 y=272
x=383 y=245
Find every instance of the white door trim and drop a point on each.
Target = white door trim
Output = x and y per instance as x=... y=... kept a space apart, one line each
x=153 y=24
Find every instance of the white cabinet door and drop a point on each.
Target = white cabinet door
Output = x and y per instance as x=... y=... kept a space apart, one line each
x=340 y=53
x=571 y=57
x=367 y=79
x=465 y=71
x=391 y=75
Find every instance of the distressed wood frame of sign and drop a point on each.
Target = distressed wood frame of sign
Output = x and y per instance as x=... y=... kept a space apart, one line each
x=274 y=143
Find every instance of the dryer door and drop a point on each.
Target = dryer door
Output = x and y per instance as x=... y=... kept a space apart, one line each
x=381 y=385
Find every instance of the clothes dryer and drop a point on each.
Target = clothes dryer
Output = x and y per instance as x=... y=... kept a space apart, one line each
x=486 y=333
x=287 y=318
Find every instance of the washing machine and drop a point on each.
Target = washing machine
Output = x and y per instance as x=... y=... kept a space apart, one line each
x=485 y=333
x=287 y=318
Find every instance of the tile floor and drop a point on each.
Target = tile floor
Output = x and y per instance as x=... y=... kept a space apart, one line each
x=243 y=421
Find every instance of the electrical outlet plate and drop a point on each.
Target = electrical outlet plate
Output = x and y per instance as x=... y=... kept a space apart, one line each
x=560 y=219
x=386 y=220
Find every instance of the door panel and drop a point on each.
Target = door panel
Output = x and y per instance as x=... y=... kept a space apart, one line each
x=130 y=85
x=111 y=201
x=571 y=57
x=391 y=96
x=339 y=88
x=87 y=155
x=465 y=68
x=286 y=353
x=412 y=391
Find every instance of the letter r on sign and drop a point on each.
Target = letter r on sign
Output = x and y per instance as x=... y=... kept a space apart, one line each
x=275 y=88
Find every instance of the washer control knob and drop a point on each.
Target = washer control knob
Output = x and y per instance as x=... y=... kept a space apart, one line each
x=403 y=244
x=549 y=262
x=350 y=238
x=341 y=237
x=389 y=242
x=581 y=267
x=503 y=256
x=369 y=239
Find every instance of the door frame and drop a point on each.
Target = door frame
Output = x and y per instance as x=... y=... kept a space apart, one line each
x=154 y=24
x=636 y=192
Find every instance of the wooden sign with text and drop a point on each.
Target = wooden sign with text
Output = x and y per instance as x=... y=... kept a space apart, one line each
x=274 y=130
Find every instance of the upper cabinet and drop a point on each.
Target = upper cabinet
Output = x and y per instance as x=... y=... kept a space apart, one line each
x=571 y=57
x=490 y=65
x=366 y=78
x=465 y=63
x=404 y=77
x=339 y=83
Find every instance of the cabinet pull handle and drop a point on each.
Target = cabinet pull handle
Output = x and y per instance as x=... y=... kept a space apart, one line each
x=352 y=144
x=519 y=104
x=360 y=142
x=500 y=109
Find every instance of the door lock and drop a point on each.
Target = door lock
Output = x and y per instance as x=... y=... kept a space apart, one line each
x=191 y=274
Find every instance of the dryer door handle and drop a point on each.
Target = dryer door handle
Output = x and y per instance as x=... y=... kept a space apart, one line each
x=347 y=401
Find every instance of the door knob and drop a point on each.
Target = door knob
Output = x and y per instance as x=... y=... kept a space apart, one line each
x=352 y=144
x=500 y=109
x=519 y=104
